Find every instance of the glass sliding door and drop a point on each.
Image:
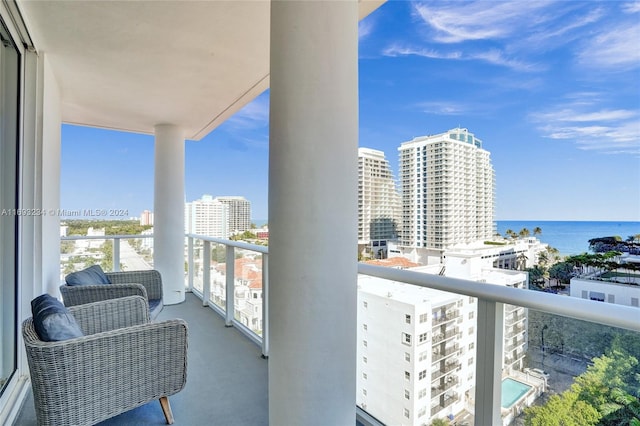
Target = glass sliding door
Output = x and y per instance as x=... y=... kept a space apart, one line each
x=9 y=107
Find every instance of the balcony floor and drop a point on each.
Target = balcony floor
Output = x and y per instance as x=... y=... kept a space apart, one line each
x=226 y=377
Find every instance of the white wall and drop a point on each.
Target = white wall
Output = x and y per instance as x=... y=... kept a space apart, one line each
x=622 y=293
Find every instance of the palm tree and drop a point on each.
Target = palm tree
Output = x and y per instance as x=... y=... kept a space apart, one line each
x=543 y=258
x=537 y=231
x=509 y=233
x=522 y=261
x=524 y=233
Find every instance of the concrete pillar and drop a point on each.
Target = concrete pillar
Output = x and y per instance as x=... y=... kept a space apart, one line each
x=313 y=212
x=168 y=209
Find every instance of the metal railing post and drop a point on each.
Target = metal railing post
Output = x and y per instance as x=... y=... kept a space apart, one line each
x=206 y=273
x=116 y=254
x=190 y=263
x=489 y=353
x=230 y=278
x=265 y=305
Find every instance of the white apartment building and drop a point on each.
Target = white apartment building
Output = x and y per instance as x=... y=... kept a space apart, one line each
x=447 y=185
x=378 y=203
x=207 y=216
x=416 y=346
x=621 y=286
x=239 y=213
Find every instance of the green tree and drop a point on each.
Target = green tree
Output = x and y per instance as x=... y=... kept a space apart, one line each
x=67 y=246
x=562 y=410
x=440 y=422
x=524 y=233
x=537 y=230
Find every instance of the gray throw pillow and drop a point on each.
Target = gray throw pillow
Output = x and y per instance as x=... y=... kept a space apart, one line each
x=52 y=321
x=91 y=275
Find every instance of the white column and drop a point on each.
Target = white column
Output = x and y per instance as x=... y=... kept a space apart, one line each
x=313 y=212
x=168 y=210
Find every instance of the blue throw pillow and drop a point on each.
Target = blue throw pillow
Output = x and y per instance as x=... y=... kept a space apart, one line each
x=52 y=320
x=92 y=275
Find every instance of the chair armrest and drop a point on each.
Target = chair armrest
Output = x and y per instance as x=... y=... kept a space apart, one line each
x=112 y=314
x=127 y=368
x=150 y=279
x=81 y=294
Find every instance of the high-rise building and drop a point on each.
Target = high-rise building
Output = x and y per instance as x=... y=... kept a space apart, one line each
x=447 y=185
x=146 y=218
x=207 y=216
x=378 y=203
x=239 y=213
x=417 y=347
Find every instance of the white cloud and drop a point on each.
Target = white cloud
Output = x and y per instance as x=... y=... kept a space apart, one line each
x=254 y=114
x=365 y=28
x=632 y=7
x=443 y=108
x=455 y=22
x=609 y=131
x=617 y=48
x=492 y=56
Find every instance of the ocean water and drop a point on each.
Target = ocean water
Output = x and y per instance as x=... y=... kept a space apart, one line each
x=571 y=237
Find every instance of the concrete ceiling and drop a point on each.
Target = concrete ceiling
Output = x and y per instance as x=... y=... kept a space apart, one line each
x=130 y=65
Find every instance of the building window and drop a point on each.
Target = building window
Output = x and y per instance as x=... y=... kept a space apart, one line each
x=423 y=355
x=407 y=375
x=406 y=339
x=407 y=394
x=365 y=304
x=422 y=337
x=585 y=294
x=407 y=318
x=472 y=314
x=611 y=298
x=9 y=154
x=634 y=301
x=422 y=374
x=364 y=343
x=407 y=357
x=470 y=330
x=364 y=376
x=406 y=413
x=364 y=327
x=364 y=359
x=422 y=393
x=364 y=392
x=472 y=345
x=424 y=318
x=470 y=361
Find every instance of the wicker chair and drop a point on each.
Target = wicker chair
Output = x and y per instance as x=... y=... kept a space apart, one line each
x=147 y=284
x=123 y=361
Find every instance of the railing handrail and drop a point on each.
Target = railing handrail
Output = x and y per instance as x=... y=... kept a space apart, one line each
x=614 y=315
x=104 y=237
x=237 y=244
x=604 y=313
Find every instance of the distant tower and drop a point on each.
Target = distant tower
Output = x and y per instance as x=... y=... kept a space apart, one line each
x=239 y=213
x=146 y=218
x=378 y=203
x=447 y=184
x=207 y=216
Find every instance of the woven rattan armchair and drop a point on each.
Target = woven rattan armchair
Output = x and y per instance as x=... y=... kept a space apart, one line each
x=147 y=284
x=123 y=361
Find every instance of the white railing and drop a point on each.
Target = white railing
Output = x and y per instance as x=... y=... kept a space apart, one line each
x=490 y=315
x=116 y=239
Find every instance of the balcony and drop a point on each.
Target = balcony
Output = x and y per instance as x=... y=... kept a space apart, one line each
x=245 y=347
x=222 y=365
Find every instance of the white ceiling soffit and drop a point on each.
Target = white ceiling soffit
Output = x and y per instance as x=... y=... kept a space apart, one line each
x=129 y=65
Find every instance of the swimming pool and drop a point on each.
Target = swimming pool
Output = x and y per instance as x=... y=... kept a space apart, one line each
x=512 y=391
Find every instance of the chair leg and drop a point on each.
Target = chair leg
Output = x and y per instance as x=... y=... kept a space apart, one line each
x=166 y=410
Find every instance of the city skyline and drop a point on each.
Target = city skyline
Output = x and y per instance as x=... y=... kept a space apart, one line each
x=551 y=89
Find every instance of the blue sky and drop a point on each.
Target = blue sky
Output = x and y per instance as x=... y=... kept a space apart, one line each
x=551 y=87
